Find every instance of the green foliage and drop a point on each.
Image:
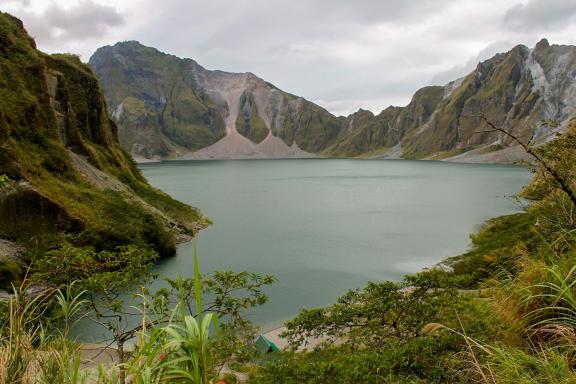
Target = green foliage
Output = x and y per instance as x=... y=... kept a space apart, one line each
x=496 y=248
x=188 y=344
x=4 y=181
x=178 y=338
x=380 y=334
x=95 y=271
x=376 y=313
x=230 y=292
x=415 y=361
x=22 y=331
x=124 y=222
x=514 y=365
x=539 y=302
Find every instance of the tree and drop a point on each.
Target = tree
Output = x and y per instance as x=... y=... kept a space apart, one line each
x=374 y=315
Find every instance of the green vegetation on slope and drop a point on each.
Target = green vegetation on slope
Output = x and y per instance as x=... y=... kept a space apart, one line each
x=179 y=337
x=70 y=179
x=248 y=123
x=367 y=133
x=156 y=101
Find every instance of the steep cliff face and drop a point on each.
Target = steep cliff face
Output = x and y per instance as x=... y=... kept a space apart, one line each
x=529 y=92
x=167 y=107
x=70 y=177
x=156 y=101
x=502 y=89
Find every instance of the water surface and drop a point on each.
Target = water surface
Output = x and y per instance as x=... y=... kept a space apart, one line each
x=325 y=226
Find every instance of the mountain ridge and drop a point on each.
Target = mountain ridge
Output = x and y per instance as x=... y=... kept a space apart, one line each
x=290 y=118
x=527 y=91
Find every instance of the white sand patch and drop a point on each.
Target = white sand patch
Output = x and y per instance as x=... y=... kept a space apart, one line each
x=143 y=160
x=232 y=146
x=311 y=342
x=274 y=147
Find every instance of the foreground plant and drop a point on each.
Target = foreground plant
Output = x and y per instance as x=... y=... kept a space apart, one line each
x=181 y=351
x=32 y=349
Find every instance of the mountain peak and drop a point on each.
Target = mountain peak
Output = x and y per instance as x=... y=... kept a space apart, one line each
x=542 y=44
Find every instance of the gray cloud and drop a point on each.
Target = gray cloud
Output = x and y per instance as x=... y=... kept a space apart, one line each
x=19 y=3
x=334 y=52
x=58 y=26
x=342 y=54
x=540 y=15
x=87 y=19
x=461 y=70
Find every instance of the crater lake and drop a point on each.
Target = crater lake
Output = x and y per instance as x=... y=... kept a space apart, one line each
x=324 y=226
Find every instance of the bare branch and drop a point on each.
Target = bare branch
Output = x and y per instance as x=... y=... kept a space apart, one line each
x=562 y=183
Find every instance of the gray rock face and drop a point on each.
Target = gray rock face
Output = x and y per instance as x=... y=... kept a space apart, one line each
x=553 y=70
x=167 y=107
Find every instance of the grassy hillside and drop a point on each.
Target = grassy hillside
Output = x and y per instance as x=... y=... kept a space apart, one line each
x=369 y=134
x=66 y=177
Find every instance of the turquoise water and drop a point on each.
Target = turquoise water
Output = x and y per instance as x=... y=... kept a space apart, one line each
x=325 y=226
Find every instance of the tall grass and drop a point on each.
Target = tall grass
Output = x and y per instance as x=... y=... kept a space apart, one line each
x=20 y=337
x=538 y=311
x=189 y=342
x=32 y=352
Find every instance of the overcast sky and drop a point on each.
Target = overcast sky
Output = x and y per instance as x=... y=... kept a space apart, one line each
x=342 y=54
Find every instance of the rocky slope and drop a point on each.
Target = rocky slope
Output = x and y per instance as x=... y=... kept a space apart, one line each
x=69 y=179
x=168 y=107
x=529 y=92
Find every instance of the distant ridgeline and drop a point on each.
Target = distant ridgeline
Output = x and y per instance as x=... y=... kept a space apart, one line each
x=64 y=175
x=167 y=107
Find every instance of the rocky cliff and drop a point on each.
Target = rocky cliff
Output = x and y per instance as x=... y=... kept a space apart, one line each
x=529 y=92
x=65 y=176
x=168 y=107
